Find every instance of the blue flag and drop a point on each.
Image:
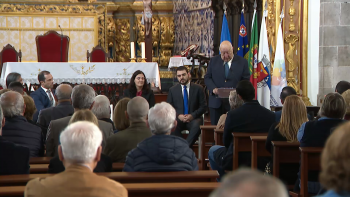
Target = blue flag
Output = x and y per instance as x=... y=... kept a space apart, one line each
x=243 y=44
x=225 y=32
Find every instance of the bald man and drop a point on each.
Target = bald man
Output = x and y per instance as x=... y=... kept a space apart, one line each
x=224 y=71
x=64 y=107
x=119 y=144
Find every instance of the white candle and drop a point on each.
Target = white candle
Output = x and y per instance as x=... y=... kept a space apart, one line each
x=143 y=50
x=132 y=47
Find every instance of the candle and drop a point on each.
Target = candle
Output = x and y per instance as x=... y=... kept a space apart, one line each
x=132 y=47
x=143 y=50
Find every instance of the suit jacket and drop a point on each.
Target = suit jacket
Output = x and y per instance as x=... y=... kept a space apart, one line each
x=215 y=76
x=124 y=141
x=57 y=126
x=14 y=159
x=53 y=113
x=76 y=180
x=196 y=102
x=148 y=96
x=41 y=101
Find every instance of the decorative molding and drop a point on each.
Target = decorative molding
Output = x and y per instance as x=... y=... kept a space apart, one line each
x=122 y=49
x=166 y=74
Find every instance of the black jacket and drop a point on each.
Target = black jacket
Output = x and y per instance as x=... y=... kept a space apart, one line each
x=148 y=96
x=14 y=159
x=161 y=153
x=19 y=131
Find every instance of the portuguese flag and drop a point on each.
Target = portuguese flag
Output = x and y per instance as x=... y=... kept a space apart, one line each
x=253 y=53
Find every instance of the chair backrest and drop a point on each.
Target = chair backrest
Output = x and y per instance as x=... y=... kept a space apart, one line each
x=207 y=136
x=258 y=149
x=49 y=47
x=98 y=54
x=9 y=54
x=218 y=135
x=284 y=152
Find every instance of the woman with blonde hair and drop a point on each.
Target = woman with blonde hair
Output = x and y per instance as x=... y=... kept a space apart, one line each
x=119 y=117
x=85 y=115
x=235 y=102
x=346 y=96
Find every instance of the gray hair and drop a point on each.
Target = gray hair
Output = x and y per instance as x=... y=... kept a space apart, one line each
x=101 y=107
x=234 y=100
x=137 y=109
x=80 y=141
x=82 y=96
x=12 y=104
x=63 y=91
x=249 y=183
x=161 y=118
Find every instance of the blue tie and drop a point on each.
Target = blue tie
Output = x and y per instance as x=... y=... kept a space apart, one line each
x=227 y=70
x=185 y=100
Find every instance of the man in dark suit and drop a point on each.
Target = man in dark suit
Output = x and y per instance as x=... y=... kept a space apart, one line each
x=44 y=96
x=251 y=117
x=14 y=159
x=188 y=99
x=64 y=107
x=224 y=71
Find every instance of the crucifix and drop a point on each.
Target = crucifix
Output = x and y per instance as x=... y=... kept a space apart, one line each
x=147 y=16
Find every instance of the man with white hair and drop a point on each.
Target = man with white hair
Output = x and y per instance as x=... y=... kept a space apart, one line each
x=17 y=129
x=161 y=152
x=124 y=141
x=80 y=150
x=248 y=183
x=102 y=110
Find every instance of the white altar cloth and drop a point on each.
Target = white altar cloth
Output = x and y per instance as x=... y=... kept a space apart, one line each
x=102 y=72
x=180 y=61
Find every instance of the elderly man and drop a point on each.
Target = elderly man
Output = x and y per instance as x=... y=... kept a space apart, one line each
x=64 y=107
x=101 y=109
x=80 y=150
x=224 y=71
x=17 y=129
x=248 y=183
x=161 y=152
x=124 y=141
x=82 y=98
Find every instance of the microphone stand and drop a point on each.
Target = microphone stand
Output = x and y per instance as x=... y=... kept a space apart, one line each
x=61 y=41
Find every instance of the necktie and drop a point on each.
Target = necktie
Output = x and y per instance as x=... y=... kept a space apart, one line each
x=185 y=100
x=50 y=96
x=227 y=70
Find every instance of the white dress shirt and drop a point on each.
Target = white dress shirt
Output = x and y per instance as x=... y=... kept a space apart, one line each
x=53 y=98
x=229 y=63
x=187 y=88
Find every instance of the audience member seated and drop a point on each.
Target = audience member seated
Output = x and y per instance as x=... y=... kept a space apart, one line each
x=315 y=133
x=17 y=87
x=248 y=183
x=119 y=144
x=17 y=129
x=102 y=110
x=82 y=98
x=44 y=95
x=286 y=91
x=138 y=86
x=13 y=77
x=14 y=159
x=30 y=109
x=162 y=151
x=342 y=86
x=121 y=122
x=251 y=117
x=80 y=150
x=235 y=102
x=346 y=96
x=335 y=171
x=63 y=109
x=104 y=165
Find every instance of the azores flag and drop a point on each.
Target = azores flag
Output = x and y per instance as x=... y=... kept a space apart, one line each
x=225 y=32
x=243 y=46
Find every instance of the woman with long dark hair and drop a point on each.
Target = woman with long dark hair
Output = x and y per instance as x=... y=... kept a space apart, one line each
x=138 y=86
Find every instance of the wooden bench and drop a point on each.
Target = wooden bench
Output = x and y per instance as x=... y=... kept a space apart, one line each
x=143 y=189
x=218 y=136
x=258 y=149
x=284 y=152
x=126 y=177
x=40 y=160
x=43 y=168
x=207 y=140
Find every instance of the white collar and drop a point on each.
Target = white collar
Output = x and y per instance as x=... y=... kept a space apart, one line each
x=44 y=88
x=187 y=85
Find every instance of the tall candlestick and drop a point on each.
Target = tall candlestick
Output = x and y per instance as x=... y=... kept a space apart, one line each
x=132 y=47
x=143 y=47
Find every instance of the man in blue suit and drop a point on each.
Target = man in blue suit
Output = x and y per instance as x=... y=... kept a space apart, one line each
x=44 y=96
x=224 y=71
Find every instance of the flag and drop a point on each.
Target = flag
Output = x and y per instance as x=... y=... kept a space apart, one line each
x=253 y=53
x=243 y=46
x=279 y=71
x=225 y=32
x=264 y=78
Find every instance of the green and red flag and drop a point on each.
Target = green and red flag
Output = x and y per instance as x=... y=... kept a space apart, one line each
x=253 y=53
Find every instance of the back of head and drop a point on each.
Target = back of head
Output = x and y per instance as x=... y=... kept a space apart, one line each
x=3 y=91
x=161 y=118
x=137 y=109
x=335 y=173
x=16 y=86
x=82 y=96
x=346 y=96
x=246 y=90
x=342 y=86
x=333 y=106
x=287 y=91
x=248 y=183
x=12 y=77
x=119 y=119
x=80 y=141
x=30 y=107
x=101 y=107
x=12 y=104
x=234 y=100
x=83 y=115
x=63 y=92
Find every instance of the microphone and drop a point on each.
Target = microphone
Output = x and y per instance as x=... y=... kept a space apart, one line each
x=61 y=42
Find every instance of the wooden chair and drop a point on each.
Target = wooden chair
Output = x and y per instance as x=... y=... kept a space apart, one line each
x=218 y=135
x=40 y=160
x=258 y=149
x=52 y=47
x=207 y=140
x=98 y=54
x=9 y=54
x=284 y=152
x=43 y=168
